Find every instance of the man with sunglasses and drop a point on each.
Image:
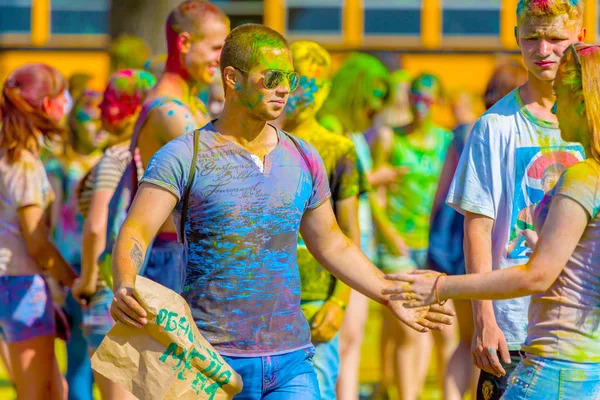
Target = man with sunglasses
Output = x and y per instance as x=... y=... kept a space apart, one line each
x=254 y=188
x=508 y=163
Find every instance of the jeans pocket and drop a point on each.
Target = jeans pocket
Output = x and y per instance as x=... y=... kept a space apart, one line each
x=579 y=383
x=521 y=380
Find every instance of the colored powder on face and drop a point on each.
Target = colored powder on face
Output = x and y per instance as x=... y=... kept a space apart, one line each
x=82 y=116
x=352 y=95
x=171 y=113
x=124 y=94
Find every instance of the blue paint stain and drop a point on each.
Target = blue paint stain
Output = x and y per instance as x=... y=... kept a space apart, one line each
x=171 y=113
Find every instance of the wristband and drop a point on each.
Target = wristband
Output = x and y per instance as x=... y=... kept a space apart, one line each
x=337 y=301
x=435 y=287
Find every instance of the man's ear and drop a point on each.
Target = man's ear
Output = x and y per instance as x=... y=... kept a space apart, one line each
x=230 y=78
x=582 y=35
x=184 y=42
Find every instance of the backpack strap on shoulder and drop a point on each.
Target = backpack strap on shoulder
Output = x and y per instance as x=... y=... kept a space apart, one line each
x=188 y=187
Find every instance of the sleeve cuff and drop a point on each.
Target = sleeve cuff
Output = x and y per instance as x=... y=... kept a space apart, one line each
x=163 y=185
x=463 y=206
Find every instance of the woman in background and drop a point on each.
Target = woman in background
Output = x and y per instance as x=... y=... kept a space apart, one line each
x=120 y=107
x=359 y=90
x=32 y=104
x=81 y=152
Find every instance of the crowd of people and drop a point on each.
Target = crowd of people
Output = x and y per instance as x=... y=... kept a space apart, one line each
x=277 y=195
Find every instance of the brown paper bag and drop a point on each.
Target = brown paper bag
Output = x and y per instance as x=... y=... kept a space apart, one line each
x=168 y=358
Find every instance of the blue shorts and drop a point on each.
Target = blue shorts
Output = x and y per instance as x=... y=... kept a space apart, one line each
x=26 y=309
x=96 y=318
x=165 y=263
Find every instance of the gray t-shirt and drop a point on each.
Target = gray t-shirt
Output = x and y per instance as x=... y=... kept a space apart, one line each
x=510 y=160
x=242 y=279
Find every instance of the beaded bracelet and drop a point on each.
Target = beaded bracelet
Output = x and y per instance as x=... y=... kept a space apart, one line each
x=435 y=288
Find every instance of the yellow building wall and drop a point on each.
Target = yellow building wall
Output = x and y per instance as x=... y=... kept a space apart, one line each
x=94 y=63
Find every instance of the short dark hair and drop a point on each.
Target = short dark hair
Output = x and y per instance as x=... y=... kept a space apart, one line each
x=242 y=45
x=188 y=17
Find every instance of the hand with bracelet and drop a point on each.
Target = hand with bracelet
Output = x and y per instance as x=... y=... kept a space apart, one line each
x=328 y=320
x=419 y=288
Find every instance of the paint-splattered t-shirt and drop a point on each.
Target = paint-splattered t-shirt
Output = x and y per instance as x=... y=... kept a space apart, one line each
x=511 y=159
x=22 y=183
x=242 y=280
x=409 y=203
x=564 y=321
x=339 y=157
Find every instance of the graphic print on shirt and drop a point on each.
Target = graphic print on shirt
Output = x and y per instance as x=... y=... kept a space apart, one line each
x=537 y=170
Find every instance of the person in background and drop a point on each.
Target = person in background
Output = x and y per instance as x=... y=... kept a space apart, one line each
x=31 y=105
x=447 y=232
x=120 y=107
x=195 y=34
x=82 y=150
x=359 y=90
x=128 y=52
x=420 y=148
x=78 y=83
x=156 y=65
x=323 y=297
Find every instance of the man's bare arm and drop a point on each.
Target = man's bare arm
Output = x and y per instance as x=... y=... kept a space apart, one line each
x=151 y=207
x=344 y=259
x=488 y=339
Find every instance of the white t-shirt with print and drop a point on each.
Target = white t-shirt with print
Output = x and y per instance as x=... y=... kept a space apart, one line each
x=511 y=159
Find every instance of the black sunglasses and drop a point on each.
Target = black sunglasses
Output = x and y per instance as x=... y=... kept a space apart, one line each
x=273 y=78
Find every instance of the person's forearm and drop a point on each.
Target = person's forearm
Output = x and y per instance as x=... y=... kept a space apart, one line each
x=93 y=244
x=128 y=255
x=478 y=260
x=507 y=283
x=49 y=259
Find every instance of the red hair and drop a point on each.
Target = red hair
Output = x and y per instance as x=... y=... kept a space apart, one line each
x=23 y=118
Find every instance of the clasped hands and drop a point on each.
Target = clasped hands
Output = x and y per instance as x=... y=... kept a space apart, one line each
x=414 y=301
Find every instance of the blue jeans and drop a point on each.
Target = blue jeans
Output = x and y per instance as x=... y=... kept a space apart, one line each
x=327 y=354
x=288 y=376
x=79 y=368
x=546 y=378
x=165 y=264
